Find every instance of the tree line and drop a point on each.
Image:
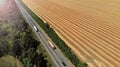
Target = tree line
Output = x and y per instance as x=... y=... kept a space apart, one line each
x=25 y=50
x=23 y=46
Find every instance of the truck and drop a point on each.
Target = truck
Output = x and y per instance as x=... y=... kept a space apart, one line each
x=35 y=28
x=51 y=45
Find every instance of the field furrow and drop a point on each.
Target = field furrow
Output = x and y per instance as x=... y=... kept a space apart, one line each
x=67 y=34
x=94 y=38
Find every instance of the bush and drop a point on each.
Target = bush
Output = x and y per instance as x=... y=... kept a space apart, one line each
x=16 y=49
x=4 y=48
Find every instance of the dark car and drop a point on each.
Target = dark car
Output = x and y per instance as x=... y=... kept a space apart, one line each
x=63 y=63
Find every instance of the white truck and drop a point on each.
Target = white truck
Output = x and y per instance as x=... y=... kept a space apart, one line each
x=51 y=45
x=35 y=28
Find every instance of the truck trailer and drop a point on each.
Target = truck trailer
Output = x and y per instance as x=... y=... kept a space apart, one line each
x=51 y=45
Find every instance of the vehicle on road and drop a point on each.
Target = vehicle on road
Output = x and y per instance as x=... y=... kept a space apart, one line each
x=64 y=63
x=36 y=29
x=51 y=45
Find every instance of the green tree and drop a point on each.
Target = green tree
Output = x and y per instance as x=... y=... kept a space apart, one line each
x=16 y=49
x=4 y=48
x=47 y=25
x=40 y=61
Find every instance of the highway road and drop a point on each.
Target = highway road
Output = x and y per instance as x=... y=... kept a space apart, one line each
x=56 y=55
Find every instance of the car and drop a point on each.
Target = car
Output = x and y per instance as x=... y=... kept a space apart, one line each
x=64 y=63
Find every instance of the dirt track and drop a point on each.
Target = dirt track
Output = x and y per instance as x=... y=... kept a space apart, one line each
x=91 y=29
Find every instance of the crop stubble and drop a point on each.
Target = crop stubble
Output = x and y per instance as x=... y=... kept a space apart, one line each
x=92 y=33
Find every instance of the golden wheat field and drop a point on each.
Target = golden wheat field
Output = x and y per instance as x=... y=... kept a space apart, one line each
x=91 y=28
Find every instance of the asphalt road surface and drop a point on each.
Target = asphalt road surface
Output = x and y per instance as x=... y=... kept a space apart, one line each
x=56 y=54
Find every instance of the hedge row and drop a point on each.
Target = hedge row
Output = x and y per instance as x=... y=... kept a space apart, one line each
x=56 y=39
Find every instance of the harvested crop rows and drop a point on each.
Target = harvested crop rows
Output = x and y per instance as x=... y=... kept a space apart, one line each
x=91 y=31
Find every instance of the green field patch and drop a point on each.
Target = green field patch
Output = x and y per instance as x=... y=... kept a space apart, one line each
x=9 y=61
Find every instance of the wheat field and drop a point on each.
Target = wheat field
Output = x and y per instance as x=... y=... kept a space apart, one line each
x=91 y=28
